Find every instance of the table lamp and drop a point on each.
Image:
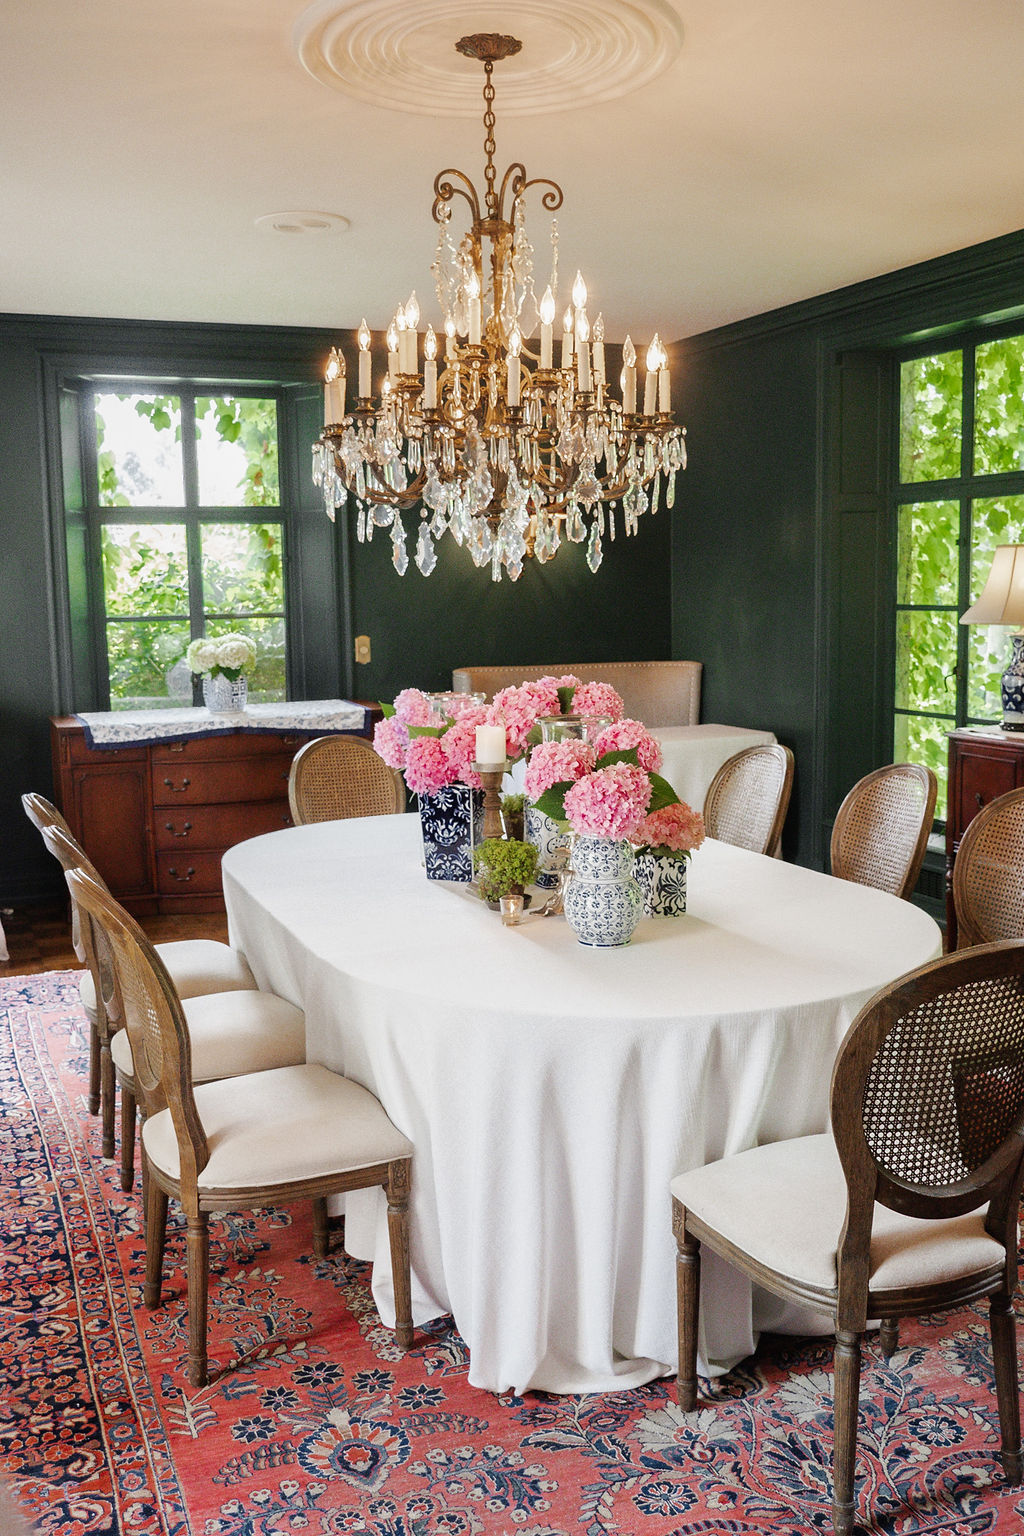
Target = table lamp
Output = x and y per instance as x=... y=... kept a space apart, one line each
x=1002 y=602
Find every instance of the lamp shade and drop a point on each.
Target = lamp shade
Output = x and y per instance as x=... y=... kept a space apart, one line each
x=1002 y=601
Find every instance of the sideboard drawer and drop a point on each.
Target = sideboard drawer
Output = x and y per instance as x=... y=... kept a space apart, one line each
x=218 y=826
x=199 y=783
x=188 y=872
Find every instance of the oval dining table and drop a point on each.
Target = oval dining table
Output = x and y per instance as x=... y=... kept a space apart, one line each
x=552 y=1091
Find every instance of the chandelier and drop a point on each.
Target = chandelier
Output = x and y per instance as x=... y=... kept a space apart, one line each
x=495 y=443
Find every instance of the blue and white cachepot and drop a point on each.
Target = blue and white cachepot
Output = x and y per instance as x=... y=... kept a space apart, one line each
x=603 y=903
x=452 y=824
x=663 y=884
x=547 y=838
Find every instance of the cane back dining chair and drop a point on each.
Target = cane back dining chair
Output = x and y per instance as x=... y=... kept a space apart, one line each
x=881 y=830
x=908 y=1206
x=338 y=776
x=257 y=1140
x=237 y=1030
x=748 y=798
x=988 y=873
x=198 y=966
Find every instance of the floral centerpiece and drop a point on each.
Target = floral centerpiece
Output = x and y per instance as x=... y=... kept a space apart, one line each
x=222 y=661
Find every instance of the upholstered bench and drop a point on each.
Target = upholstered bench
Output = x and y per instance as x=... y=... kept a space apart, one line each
x=656 y=692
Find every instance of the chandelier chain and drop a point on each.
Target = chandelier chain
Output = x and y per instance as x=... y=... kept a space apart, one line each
x=490 y=198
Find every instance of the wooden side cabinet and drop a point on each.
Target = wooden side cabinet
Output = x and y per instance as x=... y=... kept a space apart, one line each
x=984 y=762
x=156 y=819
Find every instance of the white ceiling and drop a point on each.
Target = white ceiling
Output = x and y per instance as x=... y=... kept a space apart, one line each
x=789 y=147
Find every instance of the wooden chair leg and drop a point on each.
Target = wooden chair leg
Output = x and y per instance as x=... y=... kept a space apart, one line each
x=128 y=1116
x=889 y=1336
x=687 y=1304
x=397 y=1188
x=108 y=1096
x=94 y=1068
x=321 y=1237
x=197 y=1252
x=1004 y=1358
x=156 y=1239
x=845 y=1405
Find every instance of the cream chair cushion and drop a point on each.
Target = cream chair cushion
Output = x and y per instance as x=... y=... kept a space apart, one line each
x=196 y=966
x=785 y=1204
x=280 y=1127
x=233 y=1033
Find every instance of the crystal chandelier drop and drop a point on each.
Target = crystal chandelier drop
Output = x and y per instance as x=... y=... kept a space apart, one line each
x=494 y=443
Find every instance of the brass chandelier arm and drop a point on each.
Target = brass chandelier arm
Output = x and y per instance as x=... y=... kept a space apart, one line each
x=445 y=191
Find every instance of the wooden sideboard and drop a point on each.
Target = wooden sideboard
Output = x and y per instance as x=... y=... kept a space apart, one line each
x=984 y=762
x=156 y=819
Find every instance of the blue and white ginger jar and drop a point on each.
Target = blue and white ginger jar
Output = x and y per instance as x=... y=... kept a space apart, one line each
x=603 y=903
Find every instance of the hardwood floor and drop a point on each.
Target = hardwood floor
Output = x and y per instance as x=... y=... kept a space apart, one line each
x=39 y=936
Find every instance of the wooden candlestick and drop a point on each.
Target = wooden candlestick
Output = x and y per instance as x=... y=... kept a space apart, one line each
x=491 y=775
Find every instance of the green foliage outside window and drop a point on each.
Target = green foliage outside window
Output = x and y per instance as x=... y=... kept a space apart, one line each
x=931 y=645
x=152 y=599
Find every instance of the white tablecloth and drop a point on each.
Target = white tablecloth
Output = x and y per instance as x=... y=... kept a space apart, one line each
x=693 y=755
x=552 y=1091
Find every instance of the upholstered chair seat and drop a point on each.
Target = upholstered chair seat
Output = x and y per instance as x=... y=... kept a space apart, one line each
x=231 y=1033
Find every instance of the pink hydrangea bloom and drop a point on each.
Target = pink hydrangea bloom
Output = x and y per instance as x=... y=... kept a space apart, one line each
x=610 y=802
x=519 y=709
x=414 y=708
x=459 y=744
x=391 y=741
x=427 y=766
x=675 y=828
x=598 y=699
x=626 y=734
x=556 y=762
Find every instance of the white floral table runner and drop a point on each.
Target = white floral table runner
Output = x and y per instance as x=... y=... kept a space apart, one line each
x=145 y=727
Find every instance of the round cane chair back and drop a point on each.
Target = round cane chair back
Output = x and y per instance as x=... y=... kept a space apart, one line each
x=988 y=874
x=881 y=830
x=339 y=776
x=748 y=798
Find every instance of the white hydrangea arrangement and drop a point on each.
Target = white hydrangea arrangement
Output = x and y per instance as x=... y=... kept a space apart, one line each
x=221 y=656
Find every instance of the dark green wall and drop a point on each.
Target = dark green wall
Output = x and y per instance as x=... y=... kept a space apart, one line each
x=419 y=628
x=782 y=560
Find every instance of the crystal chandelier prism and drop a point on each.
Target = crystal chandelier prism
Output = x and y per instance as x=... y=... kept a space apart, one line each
x=494 y=443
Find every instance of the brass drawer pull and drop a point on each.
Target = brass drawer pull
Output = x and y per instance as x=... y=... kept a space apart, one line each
x=186 y=829
x=174 y=789
x=175 y=876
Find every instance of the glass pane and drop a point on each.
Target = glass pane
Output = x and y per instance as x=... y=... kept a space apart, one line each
x=926 y=661
x=267 y=678
x=994 y=520
x=138 y=443
x=145 y=569
x=988 y=651
x=999 y=406
x=921 y=740
x=927 y=553
x=931 y=416
x=147 y=666
x=242 y=571
x=236 y=445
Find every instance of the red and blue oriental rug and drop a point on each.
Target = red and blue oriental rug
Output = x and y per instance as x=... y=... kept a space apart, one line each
x=315 y=1423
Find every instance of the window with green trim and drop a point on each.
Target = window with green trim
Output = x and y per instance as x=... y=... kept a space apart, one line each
x=960 y=493
x=186 y=535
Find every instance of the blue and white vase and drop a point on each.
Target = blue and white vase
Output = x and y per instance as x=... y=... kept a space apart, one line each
x=603 y=903
x=225 y=695
x=547 y=838
x=662 y=882
x=1012 y=687
x=452 y=823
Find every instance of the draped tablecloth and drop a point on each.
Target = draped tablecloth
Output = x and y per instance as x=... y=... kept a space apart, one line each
x=693 y=755
x=551 y=1091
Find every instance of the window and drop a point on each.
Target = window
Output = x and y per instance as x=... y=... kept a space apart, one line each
x=960 y=493
x=185 y=535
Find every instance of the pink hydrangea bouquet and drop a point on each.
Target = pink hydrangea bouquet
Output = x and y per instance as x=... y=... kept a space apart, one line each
x=605 y=788
x=672 y=832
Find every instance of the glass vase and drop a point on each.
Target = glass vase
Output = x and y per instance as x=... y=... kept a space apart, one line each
x=603 y=903
x=547 y=838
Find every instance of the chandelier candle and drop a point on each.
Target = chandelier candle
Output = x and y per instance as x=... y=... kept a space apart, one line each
x=497 y=446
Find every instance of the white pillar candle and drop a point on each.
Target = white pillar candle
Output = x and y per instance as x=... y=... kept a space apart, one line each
x=515 y=342
x=582 y=351
x=664 y=390
x=599 y=372
x=547 y=315
x=490 y=744
x=363 y=336
x=651 y=381
x=567 y=334
x=430 y=385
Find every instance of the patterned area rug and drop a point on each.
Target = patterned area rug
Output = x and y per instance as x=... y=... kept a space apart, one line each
x=315 y=1423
